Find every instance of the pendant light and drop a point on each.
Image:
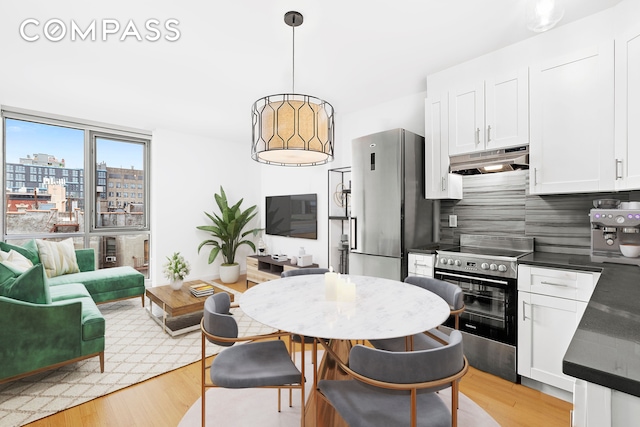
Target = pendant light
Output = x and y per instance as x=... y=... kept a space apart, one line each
x=542 y=15
x=291 y=129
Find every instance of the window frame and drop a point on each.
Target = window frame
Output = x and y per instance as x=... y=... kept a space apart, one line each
x=88 y=177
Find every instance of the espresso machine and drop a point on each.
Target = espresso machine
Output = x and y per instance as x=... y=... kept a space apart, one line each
x=615 y=232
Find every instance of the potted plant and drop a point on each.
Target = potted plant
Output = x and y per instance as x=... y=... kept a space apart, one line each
x=227 y=230
x=176 y=269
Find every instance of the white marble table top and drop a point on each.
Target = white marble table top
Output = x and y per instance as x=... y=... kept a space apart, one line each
x=381 y=308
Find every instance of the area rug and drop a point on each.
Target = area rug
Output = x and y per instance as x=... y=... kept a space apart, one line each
x=136 y=349
x=258 y=407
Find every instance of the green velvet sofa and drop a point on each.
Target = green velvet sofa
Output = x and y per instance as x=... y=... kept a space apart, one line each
x=46 y=322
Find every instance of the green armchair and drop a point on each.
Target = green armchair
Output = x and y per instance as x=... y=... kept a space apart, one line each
x=45 y=336
x=43 y=328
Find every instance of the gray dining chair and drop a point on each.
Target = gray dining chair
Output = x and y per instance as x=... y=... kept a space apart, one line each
x=449 y=292
x=397 y=388
x=253 y=364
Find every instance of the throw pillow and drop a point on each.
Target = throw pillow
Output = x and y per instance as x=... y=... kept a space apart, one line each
x=17 y=262
x=30 y=286
x=7 y=273
x=58 y=258
x=29 y=249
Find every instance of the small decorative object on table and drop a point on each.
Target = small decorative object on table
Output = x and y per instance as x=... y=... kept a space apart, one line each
x=176 y=269
x=201 y=290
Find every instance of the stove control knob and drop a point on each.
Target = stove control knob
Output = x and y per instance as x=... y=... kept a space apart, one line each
x=443 y=261
x=502 y=268
x=450 y=261
x=484 y=266
x=493 y=267
x=458 y=263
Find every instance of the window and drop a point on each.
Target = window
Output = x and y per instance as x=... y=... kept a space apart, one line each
x=54 y=182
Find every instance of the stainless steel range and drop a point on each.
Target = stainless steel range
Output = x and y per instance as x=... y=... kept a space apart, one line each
x=486 y=268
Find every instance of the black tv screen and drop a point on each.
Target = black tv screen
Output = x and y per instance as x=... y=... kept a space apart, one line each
x=292 y=216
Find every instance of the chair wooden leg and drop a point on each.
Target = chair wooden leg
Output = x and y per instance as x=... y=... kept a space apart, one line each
x=101 y=362
x=414 y=407
x=203 y=364
x=302 y=394
x=454 y=404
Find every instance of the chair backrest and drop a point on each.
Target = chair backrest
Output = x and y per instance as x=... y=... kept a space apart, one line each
x=301 y=271
x=217 y=320
x=449 y=292
x=406 y=367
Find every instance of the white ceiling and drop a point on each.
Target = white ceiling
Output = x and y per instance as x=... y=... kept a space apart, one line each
x=351 y=53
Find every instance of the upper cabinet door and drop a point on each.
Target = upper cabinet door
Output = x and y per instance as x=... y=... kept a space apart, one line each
x=507 y=110
x=572 y=123
x=439 y=183
x=627 y=149
x=466 y=118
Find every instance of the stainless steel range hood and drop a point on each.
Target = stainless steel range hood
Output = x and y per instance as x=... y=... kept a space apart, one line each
x=504 y=159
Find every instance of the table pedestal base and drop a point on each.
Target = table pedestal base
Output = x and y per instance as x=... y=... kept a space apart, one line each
x=328 y=370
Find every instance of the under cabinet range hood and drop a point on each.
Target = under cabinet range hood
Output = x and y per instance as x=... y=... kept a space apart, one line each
x=504 y=159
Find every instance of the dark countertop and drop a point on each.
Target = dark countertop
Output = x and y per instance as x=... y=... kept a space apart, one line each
x=431 y=248
x=605 y=349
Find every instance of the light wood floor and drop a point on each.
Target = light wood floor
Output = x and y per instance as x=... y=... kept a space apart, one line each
x=162 y=401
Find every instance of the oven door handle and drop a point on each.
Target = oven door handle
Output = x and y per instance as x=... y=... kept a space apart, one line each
x=501 y=282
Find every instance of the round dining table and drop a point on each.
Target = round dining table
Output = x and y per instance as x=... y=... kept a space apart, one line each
x=341 y=309
x=361 y=308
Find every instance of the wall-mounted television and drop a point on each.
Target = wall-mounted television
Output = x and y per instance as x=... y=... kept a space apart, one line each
x=292 y=216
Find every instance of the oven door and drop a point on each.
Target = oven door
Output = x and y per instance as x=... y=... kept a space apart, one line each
x=490 y=305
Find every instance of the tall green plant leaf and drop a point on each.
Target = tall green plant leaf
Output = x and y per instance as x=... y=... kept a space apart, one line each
x=227 y=229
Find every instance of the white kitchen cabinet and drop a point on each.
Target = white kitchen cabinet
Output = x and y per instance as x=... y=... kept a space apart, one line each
x=439 y=183
x=421 y=264
x=598 y=406
x=551 y=303
x=627 y=110
x=572 y=122
x=489 y=114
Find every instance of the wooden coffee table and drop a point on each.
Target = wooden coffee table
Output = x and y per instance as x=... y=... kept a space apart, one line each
x=181 y=311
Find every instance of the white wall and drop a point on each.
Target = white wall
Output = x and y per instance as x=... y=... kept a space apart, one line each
x=186 y=171
x=281 y=180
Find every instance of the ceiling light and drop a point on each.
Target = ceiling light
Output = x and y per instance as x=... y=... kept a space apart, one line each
x=543 y=15
x=291 y=129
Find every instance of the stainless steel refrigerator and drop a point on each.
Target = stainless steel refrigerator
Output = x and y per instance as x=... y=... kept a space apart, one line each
x=389 y=213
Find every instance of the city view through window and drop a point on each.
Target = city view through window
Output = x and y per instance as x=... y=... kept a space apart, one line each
x=48 y=170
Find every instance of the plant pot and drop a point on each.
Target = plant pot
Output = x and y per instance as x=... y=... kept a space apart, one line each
x=176 y=285
x=230 y=273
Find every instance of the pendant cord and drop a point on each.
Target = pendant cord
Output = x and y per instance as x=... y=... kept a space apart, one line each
x=293 y=65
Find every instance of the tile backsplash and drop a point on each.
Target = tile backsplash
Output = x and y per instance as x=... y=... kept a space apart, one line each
x=500 y=204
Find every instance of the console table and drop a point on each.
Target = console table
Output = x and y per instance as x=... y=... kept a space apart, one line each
x=264 y=268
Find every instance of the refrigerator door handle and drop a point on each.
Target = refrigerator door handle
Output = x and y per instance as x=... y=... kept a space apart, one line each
x=353 y=232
